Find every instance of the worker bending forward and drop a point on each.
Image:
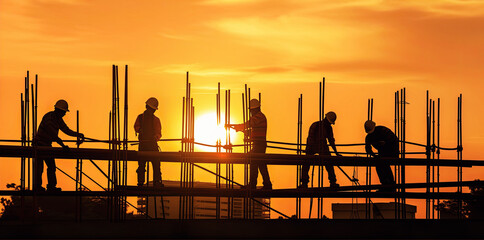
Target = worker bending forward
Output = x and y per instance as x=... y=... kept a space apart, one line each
x=386 y=142
x=148 y=126
x=257 y=125
x=317 y=143
x=47 y=133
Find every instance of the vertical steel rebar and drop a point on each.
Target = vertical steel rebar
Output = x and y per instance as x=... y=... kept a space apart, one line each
x=27 y=123
x=368 y=172
x=404 y=103
x=459 y=154
x=22 y=140
x=218 y=150
x=427 y=154
x=438 y=152
x=433 y=157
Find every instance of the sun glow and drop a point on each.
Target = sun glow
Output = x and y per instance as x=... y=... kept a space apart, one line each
x=208 y=132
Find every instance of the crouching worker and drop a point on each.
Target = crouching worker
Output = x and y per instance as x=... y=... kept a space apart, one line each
x=148 y=126
x=386 y=142
x=47 y=133
x=317 y=142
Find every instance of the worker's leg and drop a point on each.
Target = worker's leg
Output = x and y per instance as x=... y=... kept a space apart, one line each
x=331 y=174
x=265 y=175
x=305 y=173
x=259 y=147
x=156 y=172
x=384 y=170
x=141 y=172
x=329 y=169
x=254 y=174
x=385 y=174
x=51 y=168
x=39 y=169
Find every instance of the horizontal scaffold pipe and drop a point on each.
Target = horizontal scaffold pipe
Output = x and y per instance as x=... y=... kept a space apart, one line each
x=475 y=183
x=225 y=158
x=276 y=193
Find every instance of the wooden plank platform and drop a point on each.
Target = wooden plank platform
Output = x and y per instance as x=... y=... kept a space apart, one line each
x=278 y=193
x=223 y=158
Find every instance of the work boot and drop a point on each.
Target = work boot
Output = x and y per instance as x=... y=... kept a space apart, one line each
x=54 y=189
x=303 y=186
x=334 y=185
x=158 y=184
x=267 y=187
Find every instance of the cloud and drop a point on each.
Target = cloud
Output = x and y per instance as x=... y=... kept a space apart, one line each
x=268 y=69
x=228 y=2
x=174 y=36
x=195 y=69
x=299 y=36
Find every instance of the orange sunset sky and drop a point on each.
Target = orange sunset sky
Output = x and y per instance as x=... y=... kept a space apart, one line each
x=365 y=49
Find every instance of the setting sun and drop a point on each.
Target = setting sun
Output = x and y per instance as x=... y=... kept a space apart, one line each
x=207 y=132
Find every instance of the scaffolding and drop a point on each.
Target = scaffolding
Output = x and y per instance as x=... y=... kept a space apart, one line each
x=116 y=190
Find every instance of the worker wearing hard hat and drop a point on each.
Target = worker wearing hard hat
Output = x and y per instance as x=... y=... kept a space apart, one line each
x=386 y=142
x=258 y=131
x=317 y=142
x=148 y=126
x=47 y=133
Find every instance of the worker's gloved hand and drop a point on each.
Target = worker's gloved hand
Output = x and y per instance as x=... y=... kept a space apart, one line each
x=66 y=148
x=81 y=138
x=239 y=128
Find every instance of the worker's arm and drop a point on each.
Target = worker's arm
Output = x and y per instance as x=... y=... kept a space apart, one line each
x=157 y=128
x=65 y=129
x=334 y=148
x=332 y=141
x=236 y=127
x=137 y=125
x=368 y=148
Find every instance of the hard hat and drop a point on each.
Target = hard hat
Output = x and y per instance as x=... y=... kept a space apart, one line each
x=152 y=102
x=62 y=105
x=254 y=103
x=331 y=116
x=369 y=126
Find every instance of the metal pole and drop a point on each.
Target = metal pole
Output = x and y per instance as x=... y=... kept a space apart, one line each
x=218 y=143
x=27 y=124
x=298 y=153
x=427 y=154
x=438 y=152
x=433 y=157
x=404 y=103
x=22 y=137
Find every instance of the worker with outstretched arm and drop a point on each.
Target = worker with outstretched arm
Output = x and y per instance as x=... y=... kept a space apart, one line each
x=148 y=128
x=386 y=142
x=317 y=142
x=47 y=133
x=257 y=125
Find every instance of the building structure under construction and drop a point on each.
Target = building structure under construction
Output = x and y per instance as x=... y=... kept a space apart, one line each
x=225 y=198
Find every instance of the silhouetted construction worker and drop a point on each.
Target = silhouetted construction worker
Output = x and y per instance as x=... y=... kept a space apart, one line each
x=47 y=133
x=386 y=142
x=257 y=125
x=148 y=126
x=317 y=143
